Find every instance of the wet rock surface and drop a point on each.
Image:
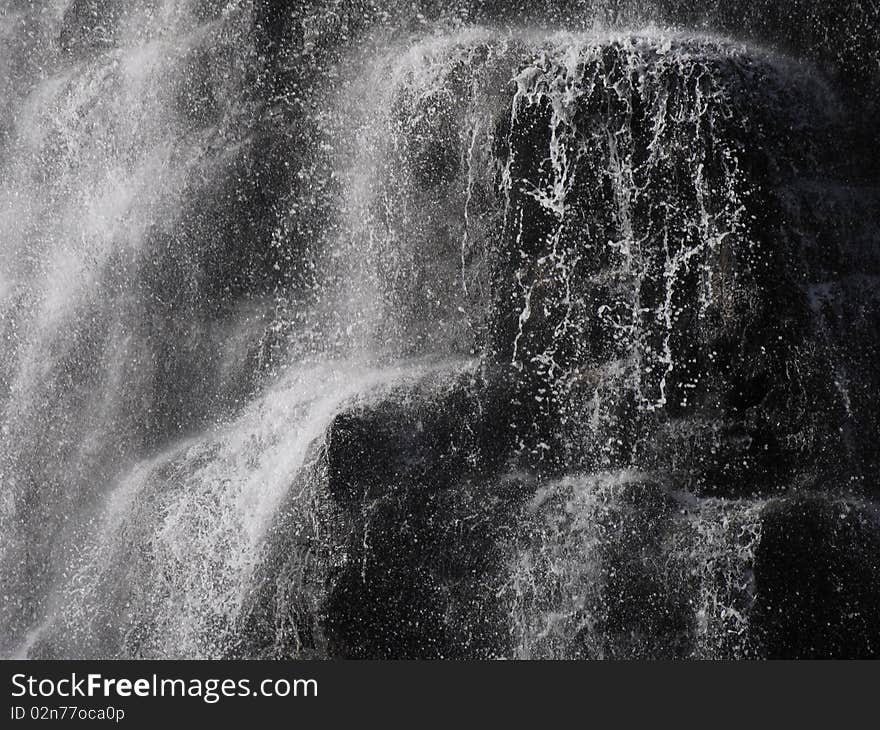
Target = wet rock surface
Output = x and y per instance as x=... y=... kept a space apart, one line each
x=356 y=329
x=657 y=306
x=817 y=571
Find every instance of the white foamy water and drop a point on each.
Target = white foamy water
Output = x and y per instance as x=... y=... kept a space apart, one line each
x=200 y=270
x=177 y=541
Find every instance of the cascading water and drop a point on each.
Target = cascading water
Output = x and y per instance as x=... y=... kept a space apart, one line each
x=352 y=330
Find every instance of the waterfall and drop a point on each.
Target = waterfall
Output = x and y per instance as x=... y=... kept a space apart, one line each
x=343 y=331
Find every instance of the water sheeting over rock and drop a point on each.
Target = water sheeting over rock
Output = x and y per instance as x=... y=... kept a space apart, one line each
x=376 y=333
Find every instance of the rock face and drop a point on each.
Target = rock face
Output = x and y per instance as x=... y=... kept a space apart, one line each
x=415 y=473
x=652 y=236
x=817 y=571
x=490 y=344
x=658 y=292
x=657 y=249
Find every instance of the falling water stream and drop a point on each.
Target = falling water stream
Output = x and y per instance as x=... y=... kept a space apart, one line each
x=422 y=336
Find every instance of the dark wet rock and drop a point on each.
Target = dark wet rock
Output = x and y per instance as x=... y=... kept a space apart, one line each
x=404 y=439
x=669 y=312
x=817 y=571
x=438 y=431
x=637 y=247
x=643 y=613
x=662 y=258
x=419 y=580
x=667 y=275
x=415 y=470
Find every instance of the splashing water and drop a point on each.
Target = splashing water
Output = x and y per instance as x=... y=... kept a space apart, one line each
x=688 y=589
x=481 y=342
x=179 y=539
